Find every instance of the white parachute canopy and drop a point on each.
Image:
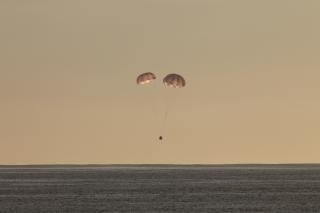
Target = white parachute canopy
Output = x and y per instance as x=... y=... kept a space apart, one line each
x=174 y=80
x=170 y=81
x=146 y=78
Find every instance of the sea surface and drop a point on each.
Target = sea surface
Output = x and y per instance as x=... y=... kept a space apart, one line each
x=160 y=188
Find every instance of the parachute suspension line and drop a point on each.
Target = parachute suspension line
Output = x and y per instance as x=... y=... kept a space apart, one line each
x=154 y=101
x=169 y=102
x=149 y=102
x=153 y=109
x=164 y=120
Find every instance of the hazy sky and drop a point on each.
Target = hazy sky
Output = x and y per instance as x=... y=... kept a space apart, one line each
x=68 y=92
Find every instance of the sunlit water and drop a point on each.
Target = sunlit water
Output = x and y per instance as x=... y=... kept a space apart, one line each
x=236 y=188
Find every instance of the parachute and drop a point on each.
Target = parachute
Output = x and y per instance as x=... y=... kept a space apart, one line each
x=146 y=78
x=170 y=81
x=174 y=80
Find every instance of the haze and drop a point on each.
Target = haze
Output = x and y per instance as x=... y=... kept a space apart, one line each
x=68 y=92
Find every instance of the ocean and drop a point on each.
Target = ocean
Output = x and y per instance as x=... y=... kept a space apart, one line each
x=160 y=188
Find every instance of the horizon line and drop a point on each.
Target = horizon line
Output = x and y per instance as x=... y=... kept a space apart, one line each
x=164 y=164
